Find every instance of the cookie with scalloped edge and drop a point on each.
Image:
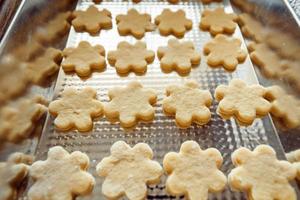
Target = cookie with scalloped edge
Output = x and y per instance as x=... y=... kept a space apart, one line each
x=252 y=28
x=294 y=158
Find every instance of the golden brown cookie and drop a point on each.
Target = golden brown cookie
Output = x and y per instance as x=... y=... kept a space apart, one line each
x=61 y=176
x=261 y=175
x=286 y=107
x=76 y=109
x=130 y=57
x=18 y=120
x=251 y=27
x=188 y=103
x=44 y=66
x=130 y=104
x=174 y=23
x=294 y=157
x=91 y=20
x=178 y=56
x=194 y=172
x=225 y=52
x=242 y=101
x=291 y=73
x=210 y=1
x=217 y=21
x=128 y=171
x=83 y=59
x=134 y=23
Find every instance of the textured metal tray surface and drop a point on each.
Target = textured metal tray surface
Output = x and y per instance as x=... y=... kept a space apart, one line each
x=162 y=135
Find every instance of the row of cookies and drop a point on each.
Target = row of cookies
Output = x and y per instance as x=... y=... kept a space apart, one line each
x=128 y=171
x=171 y=1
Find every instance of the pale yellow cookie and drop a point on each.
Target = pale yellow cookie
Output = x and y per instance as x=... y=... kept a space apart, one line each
x=178 y=56
x=61 y=176
x=18 y=119
x=134 y=23
x=226 y=52
x=261 y=175
x=12 y=173
x=285 y=107
x=130 y=104
x=128 y=171
x=218 y=21
x=251 y=27
x=76 y=109
x=91 y=20
x=84 y=59
x=293 y=156
x=242 y=101
x=130 y=57
x=44 y=66
x=174 y=23
x=188 y=103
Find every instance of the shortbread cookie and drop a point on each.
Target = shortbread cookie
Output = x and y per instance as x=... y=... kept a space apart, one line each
x=174 y=23
x=130 y=104
x=251 y=27
x=134 y=23
x=291 y=73
x=194 y=172
x=293 y=156
x=217 y=21
x=130 y=57
x=18 y=120
x=241 y=101
x=188 y=103
x=210 y=1
x=178 y=56
x=44 y=66
x=266 y=59
x=128 y=171
x=225 y=52
x=12 y=173
x=261 y=175
x=61 y=176
x=83 y=59
x=76 y=109
x=286 y=107
x=91 y=20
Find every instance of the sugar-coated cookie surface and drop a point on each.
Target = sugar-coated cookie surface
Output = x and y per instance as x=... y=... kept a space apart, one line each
x=134 y=23
x=84 y=59
x=61 y=176
x=261 y=175
x=130 y=104
x=131 y=57
x=128 y=171
x=12 y=173
x=224 y=51
x=242 y=101
x=178 y=56
x=173 y=23
x=194 y=172
x=188 y=103
x=76 y=109
x=218 y=21
x=91 y=20
x=251 y=27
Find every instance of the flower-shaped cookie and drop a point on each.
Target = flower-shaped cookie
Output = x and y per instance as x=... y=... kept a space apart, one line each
x=128 y=171
x=130 y=104
x=224 y=51
x=44 y=66
x=251 y=27
x=217 y=21
x=130 y=57
x=286 y=107
x=61 y=176
x=261 y=175
x=17 y=121
x=241 y=101
x=174 y=23
x=76 y=109
x=12 y=173
x=194 y=172
x=134 y=23
x=178 y=56
x=92 y=20
x=188 y=103
x=294 y=157
x=83 y=59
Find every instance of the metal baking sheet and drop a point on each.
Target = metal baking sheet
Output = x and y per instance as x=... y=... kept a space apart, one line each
x=162 y=135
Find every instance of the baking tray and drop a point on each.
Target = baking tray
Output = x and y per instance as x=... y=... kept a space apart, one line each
x=162 y=135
